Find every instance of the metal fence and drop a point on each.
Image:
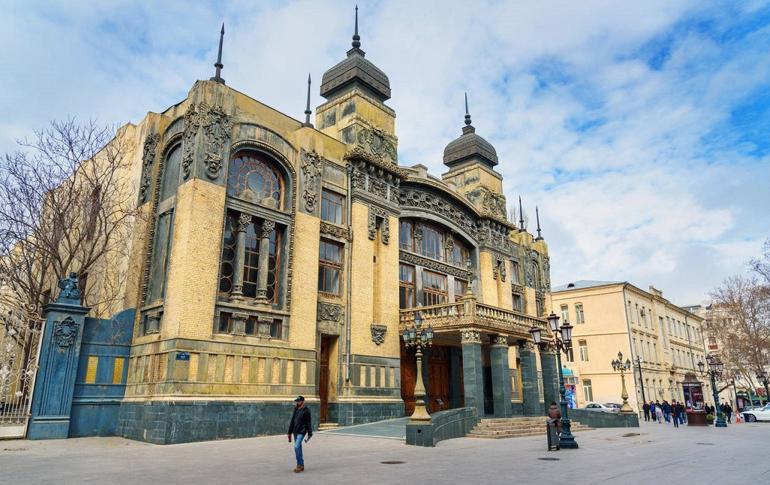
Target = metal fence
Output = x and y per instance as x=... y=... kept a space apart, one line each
x=20 y=337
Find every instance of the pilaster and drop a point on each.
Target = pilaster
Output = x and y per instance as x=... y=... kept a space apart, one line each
x=529 y=379
x=501 y=377
x=550 y=375
x=473 y=375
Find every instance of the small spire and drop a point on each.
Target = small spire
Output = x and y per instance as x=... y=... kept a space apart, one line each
x=537 y=216
x=521 y=216
x=218 y=74
x=307 y=108
x=356 y=38
x=467 y=113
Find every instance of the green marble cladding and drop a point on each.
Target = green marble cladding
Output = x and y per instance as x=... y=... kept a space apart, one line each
x=531 y=396
x=350 y=413
x=473 y=377
x=171 y=422
x=444 y=425
x=501 y=381
x=550 y=378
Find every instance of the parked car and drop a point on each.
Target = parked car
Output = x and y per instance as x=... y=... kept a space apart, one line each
x=602 y=408
x=757 y=414
x=614 y=406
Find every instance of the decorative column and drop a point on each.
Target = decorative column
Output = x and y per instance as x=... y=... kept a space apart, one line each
x=264 y=257
x=529 y=379
x=473 y=374
x=59 y=356
x=501 y=377
x=240 y=255
x=550 y=375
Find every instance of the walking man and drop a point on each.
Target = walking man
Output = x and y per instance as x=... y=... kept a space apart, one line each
x=675 y=413
x=301 y=427
x=729 y=412
x=646 y=409
x=554 y=426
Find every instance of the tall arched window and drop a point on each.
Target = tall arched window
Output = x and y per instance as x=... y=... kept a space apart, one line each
x=171 y=173
x=253 y=177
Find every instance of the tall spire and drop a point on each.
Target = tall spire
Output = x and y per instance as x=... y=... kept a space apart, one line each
x=218 y=74
x=467 y=113
x=537 y=215
x=307 y=108
x=356 y=38
x=521 y=216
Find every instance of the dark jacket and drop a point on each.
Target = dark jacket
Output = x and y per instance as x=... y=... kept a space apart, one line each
x=300 y=422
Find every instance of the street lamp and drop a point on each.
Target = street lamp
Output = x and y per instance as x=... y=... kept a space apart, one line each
x=563 y=342
x=641 y=380
x=419 y=338
x=619 y=365
x=715 y=369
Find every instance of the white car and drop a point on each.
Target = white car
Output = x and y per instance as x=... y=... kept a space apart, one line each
x=602 y=408
x=757 y=414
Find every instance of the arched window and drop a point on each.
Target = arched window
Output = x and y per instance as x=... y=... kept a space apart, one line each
x=171 y=173
x=253 y=177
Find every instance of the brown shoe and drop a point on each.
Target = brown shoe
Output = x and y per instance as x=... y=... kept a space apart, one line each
x=299 y=469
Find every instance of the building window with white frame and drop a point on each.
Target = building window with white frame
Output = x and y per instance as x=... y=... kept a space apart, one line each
x=583 y=347
x=588 y=393
x=579 y=315
x=565 y=313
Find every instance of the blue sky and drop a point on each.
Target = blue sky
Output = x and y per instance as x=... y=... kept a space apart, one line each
x=639 y=128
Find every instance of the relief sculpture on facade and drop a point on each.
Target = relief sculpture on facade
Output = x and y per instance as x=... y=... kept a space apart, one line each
x=379 y=217
x=217 y=130
x=378 y=333
x=311 y=175
x=148 y=159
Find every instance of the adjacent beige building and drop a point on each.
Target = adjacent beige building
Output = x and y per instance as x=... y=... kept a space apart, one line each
x=662 y=340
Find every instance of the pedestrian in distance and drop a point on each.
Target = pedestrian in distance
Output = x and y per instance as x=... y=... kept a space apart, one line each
x=666 y=410
x=646 y=409
x=675 y=412
x=652 y=410
x=301 y=427
x=658 y=412
x=729 y=412
x=554 y=427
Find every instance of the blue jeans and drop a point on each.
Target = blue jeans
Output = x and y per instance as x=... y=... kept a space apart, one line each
x=298 y=449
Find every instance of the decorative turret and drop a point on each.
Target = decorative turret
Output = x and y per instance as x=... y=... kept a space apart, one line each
x=355 y=71
x=469 y=147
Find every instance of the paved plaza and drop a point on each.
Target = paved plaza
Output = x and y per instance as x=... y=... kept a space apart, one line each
x=651 y=454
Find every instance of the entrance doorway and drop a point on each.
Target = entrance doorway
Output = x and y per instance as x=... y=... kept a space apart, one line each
x=323 y=378
x=441 y=391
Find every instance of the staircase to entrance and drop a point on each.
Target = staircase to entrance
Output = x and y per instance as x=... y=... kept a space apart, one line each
x=496 y=428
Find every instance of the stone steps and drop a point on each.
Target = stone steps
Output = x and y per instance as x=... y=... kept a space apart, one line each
x=498 y=428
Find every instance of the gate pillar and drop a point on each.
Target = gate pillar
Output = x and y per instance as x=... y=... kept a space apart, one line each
x=59 y=355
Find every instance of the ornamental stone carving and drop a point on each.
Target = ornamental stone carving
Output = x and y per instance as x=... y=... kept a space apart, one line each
x=243 y=222
x=65 y=332
x=69 y=290
x=267 y=228
x=376 y=144
x=546 y=273
x=148 y=160
x=216 y=128
x=438 y=205
x=330 y=312
x=379 y=218
x=378 y=333
x=335 y=231
x=470 y=337
x=525 y=345
x=311 y=175
x=500 y=340
x=432 y=264
x=498 y=271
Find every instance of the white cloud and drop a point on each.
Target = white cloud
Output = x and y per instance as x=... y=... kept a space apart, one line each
x=657 y=188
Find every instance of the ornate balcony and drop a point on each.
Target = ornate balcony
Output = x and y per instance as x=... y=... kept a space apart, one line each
x=468 y=313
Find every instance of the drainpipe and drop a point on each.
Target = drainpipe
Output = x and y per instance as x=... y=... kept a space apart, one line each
x=633 y=351
x=348 y=271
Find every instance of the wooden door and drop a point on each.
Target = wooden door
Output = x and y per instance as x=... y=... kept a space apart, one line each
x=438 y=397
x=408 y=379
x=323 y=378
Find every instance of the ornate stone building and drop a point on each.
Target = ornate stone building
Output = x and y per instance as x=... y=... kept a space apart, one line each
x=282 y=257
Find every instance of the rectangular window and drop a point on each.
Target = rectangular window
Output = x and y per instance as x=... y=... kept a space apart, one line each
x=406 y=235
x=434 y=288
x=579 y=313
x=432 y=243
x=587 y=390
x=518 y=302
x=329 y=267
x=461 y=287
x=161 y=252
x=564 y=313
x=515 y=271
x=332 y=207
x=583 y=350
x=406 y=286
x=570 y=355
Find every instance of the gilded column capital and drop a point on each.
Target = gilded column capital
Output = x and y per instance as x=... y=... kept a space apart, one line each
x=525 y=345
x=470 y=337
x=500 y=341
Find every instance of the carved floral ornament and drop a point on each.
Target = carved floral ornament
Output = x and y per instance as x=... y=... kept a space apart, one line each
x=470 y=336
x=65 y=332
x=216 y=128
x=311 y=175
x=148 y=159
x=378 y=333
x=377 y=144
x=500 y=340
x=330 y=312
x=335 y=231
x=379 y=217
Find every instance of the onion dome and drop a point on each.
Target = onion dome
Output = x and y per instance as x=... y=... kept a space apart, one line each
x=355 y=71
x=469 y=146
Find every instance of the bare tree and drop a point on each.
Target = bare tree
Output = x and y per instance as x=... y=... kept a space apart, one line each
x=761 y=266
x=66 y=205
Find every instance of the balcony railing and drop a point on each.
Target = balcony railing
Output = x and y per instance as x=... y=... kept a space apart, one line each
x=468 y=313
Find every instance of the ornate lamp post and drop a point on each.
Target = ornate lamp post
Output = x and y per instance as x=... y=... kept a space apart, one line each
x=622 y=367
x=715 y=369
x=563 y=342
x=419 y=338
x=641 y=380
